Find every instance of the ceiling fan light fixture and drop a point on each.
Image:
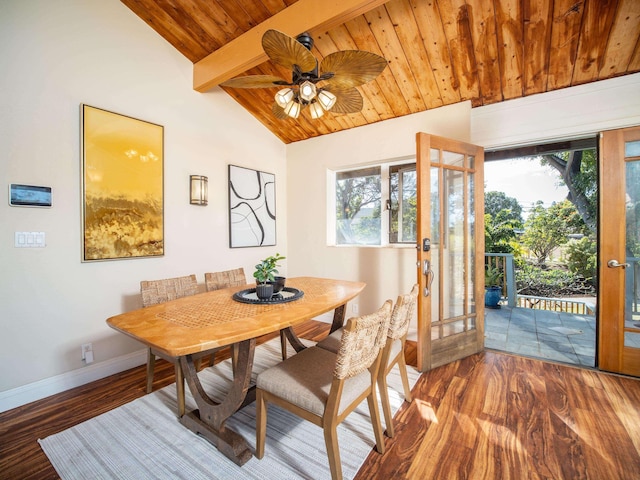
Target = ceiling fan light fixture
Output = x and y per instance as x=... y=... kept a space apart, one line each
x=284 y=96
x=316 y=110
x=307 y=91
x=292 y=109
x=326 y=99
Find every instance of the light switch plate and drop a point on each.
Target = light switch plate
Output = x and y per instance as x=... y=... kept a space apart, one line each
x=30 y=240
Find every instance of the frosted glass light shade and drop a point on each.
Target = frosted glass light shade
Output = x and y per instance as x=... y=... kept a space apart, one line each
x=316 y=110
x=199 y=189
x=284 y=96
x=326 y=99
x=292 y=109
x=307 y=91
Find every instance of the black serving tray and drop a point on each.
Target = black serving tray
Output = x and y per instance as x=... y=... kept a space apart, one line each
x=287 y=294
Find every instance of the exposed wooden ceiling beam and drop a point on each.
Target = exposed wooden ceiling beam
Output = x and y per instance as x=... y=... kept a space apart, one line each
x=246 y=51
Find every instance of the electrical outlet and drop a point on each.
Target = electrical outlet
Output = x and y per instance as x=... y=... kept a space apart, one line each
x=87 y=353
x=354 y=308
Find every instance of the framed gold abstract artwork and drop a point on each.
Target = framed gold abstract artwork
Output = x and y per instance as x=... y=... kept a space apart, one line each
x=122 y=186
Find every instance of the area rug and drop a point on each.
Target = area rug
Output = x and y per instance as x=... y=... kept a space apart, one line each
x=144 y=440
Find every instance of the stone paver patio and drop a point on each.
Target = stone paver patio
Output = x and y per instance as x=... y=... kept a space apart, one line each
x=557 y=336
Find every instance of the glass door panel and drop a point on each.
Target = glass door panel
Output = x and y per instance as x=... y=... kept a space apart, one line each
x=450 y=324
x=632 y=247
x=619 y=270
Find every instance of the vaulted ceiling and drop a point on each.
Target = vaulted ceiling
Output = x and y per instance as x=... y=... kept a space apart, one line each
x=440 y=52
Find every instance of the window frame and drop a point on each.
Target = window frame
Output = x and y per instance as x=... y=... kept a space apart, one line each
x=385 y=199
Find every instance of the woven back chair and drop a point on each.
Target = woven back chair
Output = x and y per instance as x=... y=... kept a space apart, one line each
x=393 y=352
x=160 y=291
x=225 y=279
x=324 y=387
x=235 y=278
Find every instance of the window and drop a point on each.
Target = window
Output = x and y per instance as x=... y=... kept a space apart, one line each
x=402 y=204
x=358 y=207
x=360 y=196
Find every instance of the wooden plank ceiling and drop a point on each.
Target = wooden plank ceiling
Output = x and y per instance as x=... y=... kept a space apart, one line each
x=440 y=52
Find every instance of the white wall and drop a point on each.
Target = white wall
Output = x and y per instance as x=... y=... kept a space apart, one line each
x=572 y=112
x=387 y=271
x=55 y=56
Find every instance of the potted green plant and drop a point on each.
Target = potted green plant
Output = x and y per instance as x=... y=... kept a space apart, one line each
x=492 y=286
x=265 y=275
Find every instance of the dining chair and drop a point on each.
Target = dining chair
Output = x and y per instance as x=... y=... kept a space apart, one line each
x=225 y=279
x=393 y=352
x=160 y=291
x=325 y=387
x=234 y=278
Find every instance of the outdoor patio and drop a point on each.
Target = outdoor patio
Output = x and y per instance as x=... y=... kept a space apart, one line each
x=556 y=336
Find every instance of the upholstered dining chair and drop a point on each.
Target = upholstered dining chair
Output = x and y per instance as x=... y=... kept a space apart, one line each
x=160 y=291
x=393 y=352
x=324 y=387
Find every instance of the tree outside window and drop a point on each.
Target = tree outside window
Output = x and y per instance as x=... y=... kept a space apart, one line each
x=358 y=207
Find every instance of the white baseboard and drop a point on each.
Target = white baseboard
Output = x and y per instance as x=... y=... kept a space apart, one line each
x=50 y=386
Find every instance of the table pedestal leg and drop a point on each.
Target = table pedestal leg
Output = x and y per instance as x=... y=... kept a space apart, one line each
x=338 y=318
x=210 y=417
x=338 y=321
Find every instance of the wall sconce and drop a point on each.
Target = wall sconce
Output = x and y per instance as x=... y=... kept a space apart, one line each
x=199 y=189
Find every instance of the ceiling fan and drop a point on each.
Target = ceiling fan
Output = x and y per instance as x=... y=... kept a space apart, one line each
x=327 y=86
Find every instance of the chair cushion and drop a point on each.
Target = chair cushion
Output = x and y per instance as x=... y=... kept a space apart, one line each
x=331 y=342
x=305 y=380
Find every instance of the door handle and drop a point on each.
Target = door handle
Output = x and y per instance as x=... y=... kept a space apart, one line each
x=428 y=273
x=615 y=264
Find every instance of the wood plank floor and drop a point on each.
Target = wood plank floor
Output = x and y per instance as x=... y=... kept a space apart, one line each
x=490 y=416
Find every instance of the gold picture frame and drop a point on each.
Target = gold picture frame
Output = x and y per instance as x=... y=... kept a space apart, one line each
x=122 y=186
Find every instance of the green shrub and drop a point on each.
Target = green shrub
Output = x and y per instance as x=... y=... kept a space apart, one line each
x=533 y=280
x=581 y=258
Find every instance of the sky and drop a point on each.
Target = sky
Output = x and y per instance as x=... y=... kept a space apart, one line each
x=525 y=180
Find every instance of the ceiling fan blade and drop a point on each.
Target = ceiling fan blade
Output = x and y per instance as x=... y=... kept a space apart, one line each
x=255 y=81
x=348 y=100
x=351 y=68
x=287 y=51
x=278 y=112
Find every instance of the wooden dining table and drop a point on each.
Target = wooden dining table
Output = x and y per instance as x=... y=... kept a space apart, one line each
x=204 y=322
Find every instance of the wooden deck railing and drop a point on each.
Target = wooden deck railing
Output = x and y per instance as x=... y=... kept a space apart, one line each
x=504 y=262
x=556 y=304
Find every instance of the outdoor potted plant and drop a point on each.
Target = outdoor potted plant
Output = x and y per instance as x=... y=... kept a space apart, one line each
x=492 y=286
x=265 y=275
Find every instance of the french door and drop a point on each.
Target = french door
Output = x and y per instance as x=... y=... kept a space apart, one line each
x=619 y=240
x=450 y=247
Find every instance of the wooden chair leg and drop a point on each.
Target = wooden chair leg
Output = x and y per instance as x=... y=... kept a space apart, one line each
x=261 y=423
x=180 y=396
x=386 y=405
x=333 y=451
x=151 y=360
x=283 y=344
x=375 y=419
x=402 y=366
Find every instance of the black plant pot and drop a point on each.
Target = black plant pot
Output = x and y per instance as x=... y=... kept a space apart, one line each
x=278 y=284
x=264 y=290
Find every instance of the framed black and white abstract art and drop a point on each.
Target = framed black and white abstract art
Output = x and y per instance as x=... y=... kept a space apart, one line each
x=252 y=208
